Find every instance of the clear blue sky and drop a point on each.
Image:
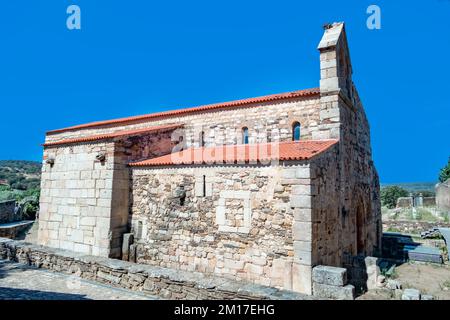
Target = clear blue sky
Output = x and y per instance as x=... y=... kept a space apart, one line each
x=134 y=57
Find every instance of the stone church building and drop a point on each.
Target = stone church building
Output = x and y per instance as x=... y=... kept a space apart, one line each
x=260 y=189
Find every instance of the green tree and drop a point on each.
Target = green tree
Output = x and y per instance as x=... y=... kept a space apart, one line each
x=390 y=194
x=444 y=175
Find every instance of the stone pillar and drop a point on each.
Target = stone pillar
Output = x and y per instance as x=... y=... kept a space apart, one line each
x=300 y=201
x=419 y=200
x=373 y=271
x=128 y=239
x=335 y=80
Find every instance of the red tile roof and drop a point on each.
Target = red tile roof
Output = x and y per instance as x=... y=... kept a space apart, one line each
x=264 y=152
x=113 y=135
x=167 y=114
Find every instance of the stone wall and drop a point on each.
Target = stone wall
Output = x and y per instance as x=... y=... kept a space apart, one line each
x=415 y=201
x=241 y=228
x=411 y=227
x=328 y=231
x=76 y=195
x=12 y=231
x=224 y=126
x=404 y=202
x=443 y=196
x=429 y=201
x=163 y=282
x=7 y=211
x=342 y=117
x=84 y=204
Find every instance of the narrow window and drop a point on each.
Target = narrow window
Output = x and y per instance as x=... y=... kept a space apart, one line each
x=204 y=186
x=181 y=143
x=296 y=131
x=245 y=135
x=202 y=139
x=139 y=230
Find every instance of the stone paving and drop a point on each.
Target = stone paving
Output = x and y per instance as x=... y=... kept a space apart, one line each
x=21 y=282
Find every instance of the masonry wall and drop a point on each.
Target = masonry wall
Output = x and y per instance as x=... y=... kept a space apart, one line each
x=272 y=119
x=342 y=117
x=76 y=193
x=161 y=282
x=326 y=217
x=241 y=229
x=84 y=204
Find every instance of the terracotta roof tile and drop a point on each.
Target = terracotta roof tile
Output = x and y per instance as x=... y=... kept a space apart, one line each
x=172 y=113
x=116 y=134
x=265 y=152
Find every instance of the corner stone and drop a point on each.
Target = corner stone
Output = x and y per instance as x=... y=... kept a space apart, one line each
x=411 y=294
x=330 y=275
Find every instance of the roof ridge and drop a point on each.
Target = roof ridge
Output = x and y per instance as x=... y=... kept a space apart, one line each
x=112 y=135
x=201 y=108
x=285 y=152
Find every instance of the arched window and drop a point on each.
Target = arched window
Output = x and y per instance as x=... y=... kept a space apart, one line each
x=296 y=131
x=245 y=135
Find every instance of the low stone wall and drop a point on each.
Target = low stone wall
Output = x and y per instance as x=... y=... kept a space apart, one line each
x=429 y=201
x=416 y=201
x=411 y=227
x=12 y=230
x=404 y=202
x=163 y=282
x=7 y=209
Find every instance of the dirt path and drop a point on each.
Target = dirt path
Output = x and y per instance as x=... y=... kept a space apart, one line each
x=428 y=278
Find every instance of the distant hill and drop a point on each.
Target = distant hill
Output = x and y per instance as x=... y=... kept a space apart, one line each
x=413 y=187
x=19 y=174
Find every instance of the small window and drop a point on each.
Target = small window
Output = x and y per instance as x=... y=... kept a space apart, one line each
x=202 y=139
x=296 y=131
x=204 y=186
x=245 y=135
x=139 y=230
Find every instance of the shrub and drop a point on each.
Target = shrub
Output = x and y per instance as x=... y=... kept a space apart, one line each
x=390 y=194
x=444 y=175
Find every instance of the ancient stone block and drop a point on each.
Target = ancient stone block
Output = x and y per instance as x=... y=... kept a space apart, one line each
x=303 y=172
x=302 y=190
x=301 y=278
x=411 y=294
x=300 y=201
x=128 y=239
x=333 y=276
x=333 y=292
x=302 y=231
x=302 y=215
x=373 y=272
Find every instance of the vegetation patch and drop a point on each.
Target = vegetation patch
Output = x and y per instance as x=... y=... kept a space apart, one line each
x=20 y=181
